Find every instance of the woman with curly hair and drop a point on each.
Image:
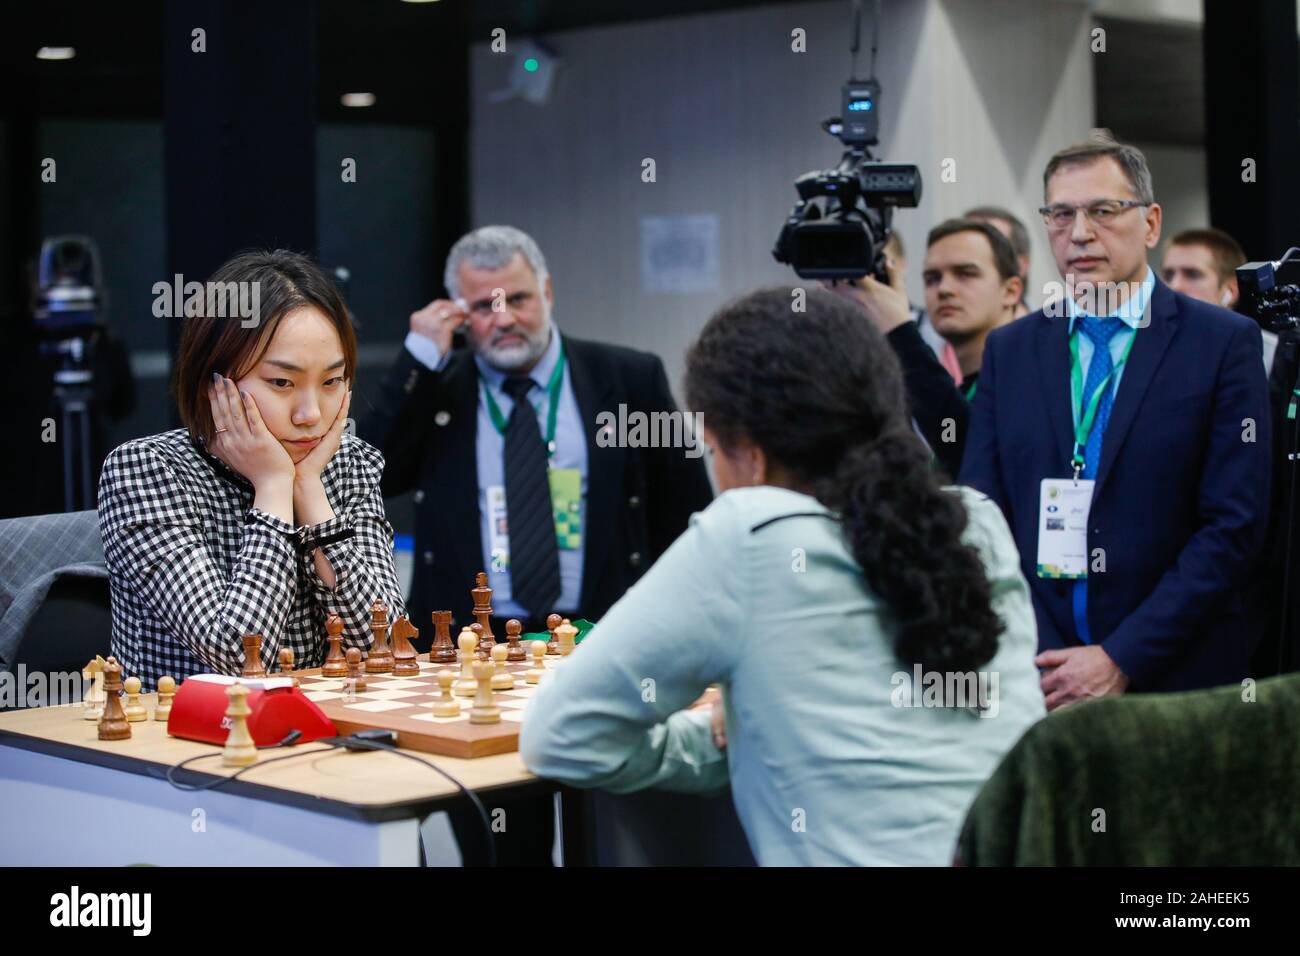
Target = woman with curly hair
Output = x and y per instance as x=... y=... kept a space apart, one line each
x=869 y=629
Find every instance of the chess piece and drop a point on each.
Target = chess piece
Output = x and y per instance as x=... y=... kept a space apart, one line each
x=443 y=650
x=482 y=595
x=404 y=655
x=336 y=665
x=516 y=654
x=134 y=710
x=92 y=703
x=113 y=724
x=483 y=649
x=465 y=685
x=356 y=674
x=380 y=660
x=564 y=635
x=166 y=691
x=553 y=645
x=485 y=709
x=534 y=673
x=446 y=705
x=501 y=677
x=240 y=750
x=253 y=657
x=286 y=665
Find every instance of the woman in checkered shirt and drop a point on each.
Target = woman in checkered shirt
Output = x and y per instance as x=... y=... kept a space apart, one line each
x=263 y=515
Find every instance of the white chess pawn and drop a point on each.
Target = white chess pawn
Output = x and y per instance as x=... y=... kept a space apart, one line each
x=501 y=677
x=446 y=705
x=466 y=685
x=135 y=711
x=534 y=673
x=565 y=634
x=166 y=691
x=485 y=709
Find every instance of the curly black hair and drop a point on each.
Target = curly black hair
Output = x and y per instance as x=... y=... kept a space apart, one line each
x=820 y=392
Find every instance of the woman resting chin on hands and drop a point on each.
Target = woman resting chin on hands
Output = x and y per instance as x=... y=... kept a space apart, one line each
x=262 y=515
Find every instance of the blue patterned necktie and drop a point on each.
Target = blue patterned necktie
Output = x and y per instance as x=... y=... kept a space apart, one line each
x=1099 y=332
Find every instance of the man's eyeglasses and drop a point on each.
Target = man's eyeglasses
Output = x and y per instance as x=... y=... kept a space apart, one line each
x=484 y=307
x=1104 y=212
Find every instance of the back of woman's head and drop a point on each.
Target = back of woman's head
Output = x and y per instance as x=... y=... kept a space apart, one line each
x=820 y=392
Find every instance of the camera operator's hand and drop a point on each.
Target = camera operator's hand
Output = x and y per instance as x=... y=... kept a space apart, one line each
x=438 y=321
x=885 y=305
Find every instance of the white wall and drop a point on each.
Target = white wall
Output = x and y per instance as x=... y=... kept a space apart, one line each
x=1012 y=83
x=1178 y=178
x=731 y=116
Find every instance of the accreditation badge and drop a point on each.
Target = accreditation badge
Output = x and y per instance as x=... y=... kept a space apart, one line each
x=566 y=505
x=498 y=528
x=1063 y=505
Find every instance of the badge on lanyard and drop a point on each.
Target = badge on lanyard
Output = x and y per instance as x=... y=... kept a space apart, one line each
x=565 y=483
x=566 y=510
x=566 y=504
x=498 y=529
x=1063 y=505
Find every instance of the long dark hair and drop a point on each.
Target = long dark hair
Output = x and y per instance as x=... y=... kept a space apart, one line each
x=822 y=394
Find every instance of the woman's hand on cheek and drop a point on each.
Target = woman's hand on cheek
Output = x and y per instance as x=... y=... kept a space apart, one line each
x=241 y=439
x=315 y=461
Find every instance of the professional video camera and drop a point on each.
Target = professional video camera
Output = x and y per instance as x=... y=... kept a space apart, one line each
x=840 y=225
x=68 y=289
x=67 y=303
x=1276 y=307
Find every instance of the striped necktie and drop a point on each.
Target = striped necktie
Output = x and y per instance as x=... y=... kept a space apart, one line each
x=534 y=553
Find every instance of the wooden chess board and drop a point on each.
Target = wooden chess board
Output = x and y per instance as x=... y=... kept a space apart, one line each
x=405 y=704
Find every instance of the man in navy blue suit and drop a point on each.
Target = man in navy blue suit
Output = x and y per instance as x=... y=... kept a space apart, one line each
x=1123 y=429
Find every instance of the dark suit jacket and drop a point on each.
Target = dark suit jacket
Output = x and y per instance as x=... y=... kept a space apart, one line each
x=638 y=499
x=1181 y=500
x=938 y=406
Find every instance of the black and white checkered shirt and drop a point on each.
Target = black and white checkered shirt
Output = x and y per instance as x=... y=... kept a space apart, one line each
x=194 y=566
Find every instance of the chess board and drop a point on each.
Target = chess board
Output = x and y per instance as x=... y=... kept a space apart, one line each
x=405 y=704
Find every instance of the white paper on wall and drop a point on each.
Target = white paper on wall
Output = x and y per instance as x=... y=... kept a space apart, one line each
x=679 y=254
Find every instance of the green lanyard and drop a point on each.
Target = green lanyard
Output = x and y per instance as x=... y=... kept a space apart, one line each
x=1088 y=412
x=553 y=387
x=970 y=392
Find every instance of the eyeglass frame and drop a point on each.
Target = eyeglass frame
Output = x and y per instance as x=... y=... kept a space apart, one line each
x=1124 y=204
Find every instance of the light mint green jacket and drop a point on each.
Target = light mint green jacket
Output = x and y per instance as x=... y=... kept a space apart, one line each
x=831 y=754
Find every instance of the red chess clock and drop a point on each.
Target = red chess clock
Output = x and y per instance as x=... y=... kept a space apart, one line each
x=278 y=707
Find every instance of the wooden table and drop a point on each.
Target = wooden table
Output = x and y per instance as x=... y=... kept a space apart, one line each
x=64 y=790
